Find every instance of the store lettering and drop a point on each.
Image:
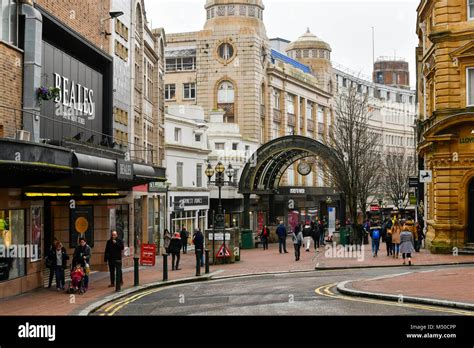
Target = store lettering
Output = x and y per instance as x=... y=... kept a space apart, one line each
x=297 y=191
x=125 y=169
x=74 y=96
x=466 y=140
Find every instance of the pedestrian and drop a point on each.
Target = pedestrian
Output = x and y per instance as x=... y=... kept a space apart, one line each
x=315 y=235
x=198 y=241
x=322 y=232
x=175 y=249
x=307 y=235
x=375 y=235
x=418 y=235
x=264 y=236
x=282 y=234
x=388 y=242
x=49 y=261
x=406 y=242
x=113 y=256
x=82 y=256
x=184 y=239
x=297 y=241
x=396 y=230
x=58 y=257
x=166 y=240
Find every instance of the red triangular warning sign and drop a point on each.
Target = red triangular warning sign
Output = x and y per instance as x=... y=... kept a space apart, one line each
x=223 y=252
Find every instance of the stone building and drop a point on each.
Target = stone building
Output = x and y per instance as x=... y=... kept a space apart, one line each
x=445 y=80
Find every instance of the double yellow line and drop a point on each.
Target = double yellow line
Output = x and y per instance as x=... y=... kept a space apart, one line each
x=325 y=291
x=116 y=306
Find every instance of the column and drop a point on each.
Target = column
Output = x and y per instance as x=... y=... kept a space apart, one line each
x=246 y=217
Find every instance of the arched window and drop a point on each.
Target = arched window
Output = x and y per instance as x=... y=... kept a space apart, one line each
x=225 y=92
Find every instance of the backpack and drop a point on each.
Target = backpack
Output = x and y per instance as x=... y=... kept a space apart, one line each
x=376 y=234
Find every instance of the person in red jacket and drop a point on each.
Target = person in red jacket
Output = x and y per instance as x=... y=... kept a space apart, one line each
x=264 y=236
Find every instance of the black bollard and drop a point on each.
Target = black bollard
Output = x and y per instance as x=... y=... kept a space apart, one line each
x=207 y=261
x=135 y=271
x=198 y=262
x=165 y=267
x=118 y=275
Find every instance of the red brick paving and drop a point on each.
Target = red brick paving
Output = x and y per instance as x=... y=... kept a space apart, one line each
x=50 y=302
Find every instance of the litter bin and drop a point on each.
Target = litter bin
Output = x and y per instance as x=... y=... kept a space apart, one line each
x=247 y=239
x=344 y=236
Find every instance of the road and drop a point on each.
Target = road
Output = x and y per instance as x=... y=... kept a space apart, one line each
x=309 y=293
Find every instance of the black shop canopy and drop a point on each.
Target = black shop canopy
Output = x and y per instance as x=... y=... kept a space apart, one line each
x=46 y=169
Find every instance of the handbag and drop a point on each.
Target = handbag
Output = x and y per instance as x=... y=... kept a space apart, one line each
x=49 y=263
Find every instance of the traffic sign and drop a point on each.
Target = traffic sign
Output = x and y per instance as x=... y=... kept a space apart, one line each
x=223 y=252
x=426 y=176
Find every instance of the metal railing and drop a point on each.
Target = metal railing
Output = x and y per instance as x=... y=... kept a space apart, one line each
x=94 y=138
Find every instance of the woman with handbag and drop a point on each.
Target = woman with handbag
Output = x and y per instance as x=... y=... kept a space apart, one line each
x=58 y=258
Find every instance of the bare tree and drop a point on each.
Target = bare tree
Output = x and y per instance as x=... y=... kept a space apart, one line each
x=356 y=171
x=398 y=166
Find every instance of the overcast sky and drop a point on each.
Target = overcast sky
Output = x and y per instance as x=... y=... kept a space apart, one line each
x=345 y=24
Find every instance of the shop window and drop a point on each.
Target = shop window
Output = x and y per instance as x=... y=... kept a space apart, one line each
x=470 y=9
x=12 y=237
x=119 y=220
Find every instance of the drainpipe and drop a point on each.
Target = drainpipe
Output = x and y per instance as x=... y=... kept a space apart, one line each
x=32 y=68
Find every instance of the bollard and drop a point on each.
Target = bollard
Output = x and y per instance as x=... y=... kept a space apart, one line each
x=207 y=261
x=165 y=267
x=135 y=271
x=118 y=275
x=198 y=262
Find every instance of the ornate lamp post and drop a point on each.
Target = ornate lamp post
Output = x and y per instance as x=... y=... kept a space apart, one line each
x=220 y=172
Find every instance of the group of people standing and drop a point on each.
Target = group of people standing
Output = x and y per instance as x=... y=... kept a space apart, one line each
x=173 y=243
x=400 y=236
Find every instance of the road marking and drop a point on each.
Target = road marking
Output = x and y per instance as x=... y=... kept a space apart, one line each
x=325 y=291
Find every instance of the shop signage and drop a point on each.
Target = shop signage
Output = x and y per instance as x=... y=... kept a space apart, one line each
x=426 y=176
x=81 y=224
x=124 y=170
x=332 y=220
x=413 y=182
x=297 y=191
x=219 y=236
x=466 y=140
x=147 y=255
x=182 y=202
x=157 y=187
x=374 y=208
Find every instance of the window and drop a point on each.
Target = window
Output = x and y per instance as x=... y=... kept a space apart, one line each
x=149 y=69
x=309 y=111
x=220 y=146
x=197 y=138
x=225 y=93
x=275 y=130
x=8 y=21
x=470 y=9
x=180 y=64
x=247 y=148
x=379 y=77
x=320 y=114
x=290 y=104
x=470 y=86
x=226 y=51
x=177 y=134
x=118 y=221
x=235 y=146
x=12 y=232
x=199 y=175
x=189 y=91
x=179 y=174
x=170 y=92
x=276 y=99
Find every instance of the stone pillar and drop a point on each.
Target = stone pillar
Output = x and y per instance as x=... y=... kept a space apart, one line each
x=246 y=219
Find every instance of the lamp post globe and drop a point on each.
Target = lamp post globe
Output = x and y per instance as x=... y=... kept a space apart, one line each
x=230 y=172
x=209 y=171
x=220 y=168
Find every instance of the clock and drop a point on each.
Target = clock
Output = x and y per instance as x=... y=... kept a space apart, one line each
x=304 y=168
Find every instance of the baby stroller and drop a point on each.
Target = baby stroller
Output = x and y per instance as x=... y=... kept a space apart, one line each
x=76 y=283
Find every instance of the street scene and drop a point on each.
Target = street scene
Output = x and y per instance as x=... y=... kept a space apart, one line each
x=236 y=158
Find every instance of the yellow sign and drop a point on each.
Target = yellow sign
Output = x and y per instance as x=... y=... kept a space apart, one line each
x=81 y=224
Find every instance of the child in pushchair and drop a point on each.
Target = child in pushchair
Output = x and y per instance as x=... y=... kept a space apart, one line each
x=77 y=280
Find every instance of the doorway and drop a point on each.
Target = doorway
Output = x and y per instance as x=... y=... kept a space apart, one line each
x=470 y=213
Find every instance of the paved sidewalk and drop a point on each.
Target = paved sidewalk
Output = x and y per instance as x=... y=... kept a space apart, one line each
x=453 y=284
x=51 y=302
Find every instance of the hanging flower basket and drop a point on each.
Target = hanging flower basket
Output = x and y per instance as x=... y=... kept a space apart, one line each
x=45 y=93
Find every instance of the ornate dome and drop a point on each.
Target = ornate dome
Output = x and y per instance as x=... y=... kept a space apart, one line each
x=210 y=3
x=308 y=41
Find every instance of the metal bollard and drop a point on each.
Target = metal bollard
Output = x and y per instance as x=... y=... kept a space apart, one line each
x=207 y=261
x=165 y=267
x=198 y=262
x=118 y=275
x=135 y=271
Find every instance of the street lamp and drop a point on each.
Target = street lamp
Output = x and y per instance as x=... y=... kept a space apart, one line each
x=220 y=182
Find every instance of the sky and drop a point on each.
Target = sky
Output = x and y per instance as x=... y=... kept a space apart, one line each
x=345 y=24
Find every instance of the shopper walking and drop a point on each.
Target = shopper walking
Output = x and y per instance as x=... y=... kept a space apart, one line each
x=282 y=234
x=58 y=257
x=406 y=243
x=307 y=235
x=297 y=241
x=175 y=249
x=184 y=239
x=166 y=240
x=49 y=261
x=198 y=241
x=375 y=235
x=396 y=230
x=82 y=256
x=315 y=235
x=264 y=236
x=113 y=257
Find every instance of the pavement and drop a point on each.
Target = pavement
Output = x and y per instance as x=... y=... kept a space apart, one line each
x=253 y=261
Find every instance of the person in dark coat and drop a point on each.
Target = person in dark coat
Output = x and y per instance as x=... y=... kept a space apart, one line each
x=82 y=256
x=198 y=241
x=58 y=258
x=49 y=262
x=315 y=235
x=113 y=256
x=281 y=232
x=264 y=236
x=297 y=241
x=184 y=239
x=175 y=249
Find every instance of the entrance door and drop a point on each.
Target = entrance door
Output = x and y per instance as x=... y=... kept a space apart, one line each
x=470 y=213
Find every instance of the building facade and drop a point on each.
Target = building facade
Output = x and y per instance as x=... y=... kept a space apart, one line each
x=64 y=174
x=445 y=80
